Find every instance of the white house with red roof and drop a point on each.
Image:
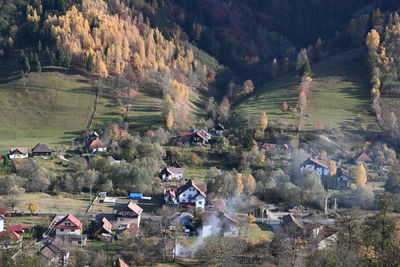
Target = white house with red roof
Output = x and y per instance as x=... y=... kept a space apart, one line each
x=172 y=174
x=190 y=195
x=97 y=146
x=68 y=225
x=170 y=196
x=18 y=153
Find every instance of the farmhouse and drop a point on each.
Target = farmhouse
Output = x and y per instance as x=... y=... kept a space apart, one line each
x=103 y=228
x=128 y=214
x=68 y=225
x=172 y=174
x=170 y=197
x=56 y=252
x=269 y=147
x=10 y=240
x=316 y=165
x=190 y=195
x=18 y=153
x=97 y=146
x=362 y=158
x=217 y=223
x=120 y=263
x=194 y=137
x=41 y=150
x=342 y=179
x=93 y=135
x=219 y=130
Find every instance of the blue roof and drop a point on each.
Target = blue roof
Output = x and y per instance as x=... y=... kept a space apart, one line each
x=135 y=195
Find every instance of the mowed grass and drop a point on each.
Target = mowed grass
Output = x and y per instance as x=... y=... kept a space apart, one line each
x=269 y=98
x=339 y=92
x=52 y=107
x=146 y=113
x=48 y=203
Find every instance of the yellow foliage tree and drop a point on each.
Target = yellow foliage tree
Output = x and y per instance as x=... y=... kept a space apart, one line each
x=332 y=168
x=33 y=207
x=169 y=120
x=249 y=184
x=360 y=174
x=263 y=121
x=373 y=39
x=238 y=184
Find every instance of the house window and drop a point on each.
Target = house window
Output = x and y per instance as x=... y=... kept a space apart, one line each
x=200 y=202
x=62 y=230
x=183 y=195
x=79 y=242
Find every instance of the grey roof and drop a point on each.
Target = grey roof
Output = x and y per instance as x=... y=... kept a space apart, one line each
x=41 y=148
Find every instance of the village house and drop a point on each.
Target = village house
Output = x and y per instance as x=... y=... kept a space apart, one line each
x=218 y=223
x=172 y=174
x=194 y=137
x=128 y=214
x=103 y=229
x=70 y=228
x=41 y=150
x=270 y=147
x=93 y=135
x=219 y=130
x=190 y=195
x=18 y=153
x=10 y=240
x=56 y=252
x=170 y=197
x=362 y=158
x=342 y=179
x=120 y=263
x=97 y=146
x=316 y=165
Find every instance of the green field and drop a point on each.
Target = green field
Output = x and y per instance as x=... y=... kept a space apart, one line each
x=269 y=98
x=52 y=107
x=340 y=92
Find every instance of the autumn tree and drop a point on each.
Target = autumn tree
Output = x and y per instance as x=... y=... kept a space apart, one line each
x=284 y=106
x=194 y=159
x=332 y=168
x=33 y=207
x=263 y=121
x=373 y=39
x=360 y=174
x=169 y=120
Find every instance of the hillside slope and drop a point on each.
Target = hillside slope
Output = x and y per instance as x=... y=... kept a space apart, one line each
x=339 y=93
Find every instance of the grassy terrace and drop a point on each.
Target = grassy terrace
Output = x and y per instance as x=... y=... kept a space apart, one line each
x=51 y=107
x=339 y=92
x=269 y=98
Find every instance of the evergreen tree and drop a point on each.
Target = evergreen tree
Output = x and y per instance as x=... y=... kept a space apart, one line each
x=90 y=66
x=39 y=46
x=26 y=66
x=22 y=57
x=36 y=64
x=60 y=57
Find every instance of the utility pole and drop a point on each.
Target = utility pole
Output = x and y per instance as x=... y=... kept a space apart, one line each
x=326 y=204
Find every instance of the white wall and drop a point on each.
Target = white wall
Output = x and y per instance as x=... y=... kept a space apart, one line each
x=18 y=156
x=1 y=224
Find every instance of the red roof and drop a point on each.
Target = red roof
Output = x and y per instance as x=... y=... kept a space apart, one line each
x=190 y=134
x=189 y=184
x=121 y=263
x=173 y=170
x=20 y=150
x=133 y=207
x=18 y=228
x=170 y=192
x=362 y=157
x=10 y=235
x=97 y=144
x=77 y=223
